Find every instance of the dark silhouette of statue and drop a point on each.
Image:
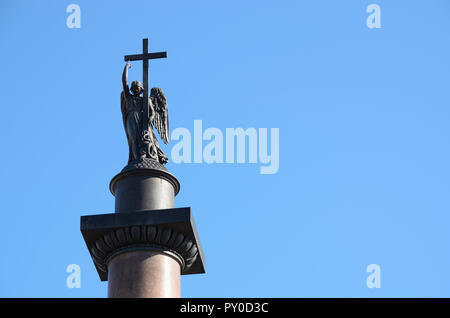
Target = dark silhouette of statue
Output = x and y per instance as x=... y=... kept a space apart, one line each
x=141 y=137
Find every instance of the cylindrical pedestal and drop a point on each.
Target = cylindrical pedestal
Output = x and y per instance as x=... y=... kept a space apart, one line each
x=144 y=189
x=144 y=274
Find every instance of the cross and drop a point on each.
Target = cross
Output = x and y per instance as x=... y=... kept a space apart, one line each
x=144 y=57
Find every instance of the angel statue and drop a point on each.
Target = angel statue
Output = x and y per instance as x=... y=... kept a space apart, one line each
x=141 y=137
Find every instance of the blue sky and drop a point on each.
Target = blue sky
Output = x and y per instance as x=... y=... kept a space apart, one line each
x=364 y=174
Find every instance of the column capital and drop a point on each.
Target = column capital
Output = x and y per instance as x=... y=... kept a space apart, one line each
x=144 y=237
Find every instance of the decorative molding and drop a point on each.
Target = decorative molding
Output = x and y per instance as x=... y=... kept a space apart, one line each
x=144 y=163
x=144 y=237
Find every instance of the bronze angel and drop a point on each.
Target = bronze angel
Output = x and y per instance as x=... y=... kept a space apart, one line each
x=141 y=137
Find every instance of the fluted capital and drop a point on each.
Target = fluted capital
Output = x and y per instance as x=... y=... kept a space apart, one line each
x=144 y=237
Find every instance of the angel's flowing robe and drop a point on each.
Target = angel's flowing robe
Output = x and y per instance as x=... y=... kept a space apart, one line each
x=141 y=144
x=133 y=124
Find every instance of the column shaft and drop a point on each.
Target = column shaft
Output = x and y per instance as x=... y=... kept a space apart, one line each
x=143 y=274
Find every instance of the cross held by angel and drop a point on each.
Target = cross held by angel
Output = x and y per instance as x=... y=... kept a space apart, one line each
x=140 y=117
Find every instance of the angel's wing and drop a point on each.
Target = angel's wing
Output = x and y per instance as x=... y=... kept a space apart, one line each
x=161 y=118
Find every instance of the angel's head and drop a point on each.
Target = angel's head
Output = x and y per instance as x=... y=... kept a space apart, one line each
x=136 y=88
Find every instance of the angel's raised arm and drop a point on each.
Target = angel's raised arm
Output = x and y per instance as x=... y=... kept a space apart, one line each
x=126 y=89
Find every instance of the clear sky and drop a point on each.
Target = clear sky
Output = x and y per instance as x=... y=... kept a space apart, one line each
x=363 y=117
